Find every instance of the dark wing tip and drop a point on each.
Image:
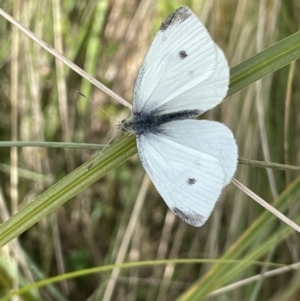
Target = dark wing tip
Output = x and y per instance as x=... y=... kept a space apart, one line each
x=177 y=17
x=191 y=218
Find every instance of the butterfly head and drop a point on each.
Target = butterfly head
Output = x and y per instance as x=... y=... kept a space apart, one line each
x=125 y=125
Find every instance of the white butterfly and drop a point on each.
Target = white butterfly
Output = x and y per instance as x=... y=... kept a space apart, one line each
x=184 y=74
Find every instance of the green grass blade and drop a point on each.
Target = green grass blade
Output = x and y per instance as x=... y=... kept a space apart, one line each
x=68 y=187
x=267 y=61
x=256 y=241
x=110 y=267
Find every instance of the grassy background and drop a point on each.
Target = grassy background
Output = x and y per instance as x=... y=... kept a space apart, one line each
x=121 y=218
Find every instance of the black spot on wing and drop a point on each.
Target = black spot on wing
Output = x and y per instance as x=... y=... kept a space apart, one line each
x=191 y=181
x=182 y=54
x=191 y=218
x=177 y=17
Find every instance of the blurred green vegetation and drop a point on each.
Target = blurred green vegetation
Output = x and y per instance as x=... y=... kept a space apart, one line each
x=121 y=217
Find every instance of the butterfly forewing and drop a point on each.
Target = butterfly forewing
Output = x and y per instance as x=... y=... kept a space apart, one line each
x=181 y=57
x=203 y=95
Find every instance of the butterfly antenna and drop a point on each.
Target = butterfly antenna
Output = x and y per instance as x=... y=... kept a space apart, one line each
x=119 y=123
x=81 y=94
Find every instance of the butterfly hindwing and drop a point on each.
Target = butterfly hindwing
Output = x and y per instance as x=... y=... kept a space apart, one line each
x=189 y=181
x=210 y=137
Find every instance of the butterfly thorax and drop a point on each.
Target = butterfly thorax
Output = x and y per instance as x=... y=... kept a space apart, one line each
x=142 y=123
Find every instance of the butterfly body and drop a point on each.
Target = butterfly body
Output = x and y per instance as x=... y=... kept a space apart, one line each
x=150 y=122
